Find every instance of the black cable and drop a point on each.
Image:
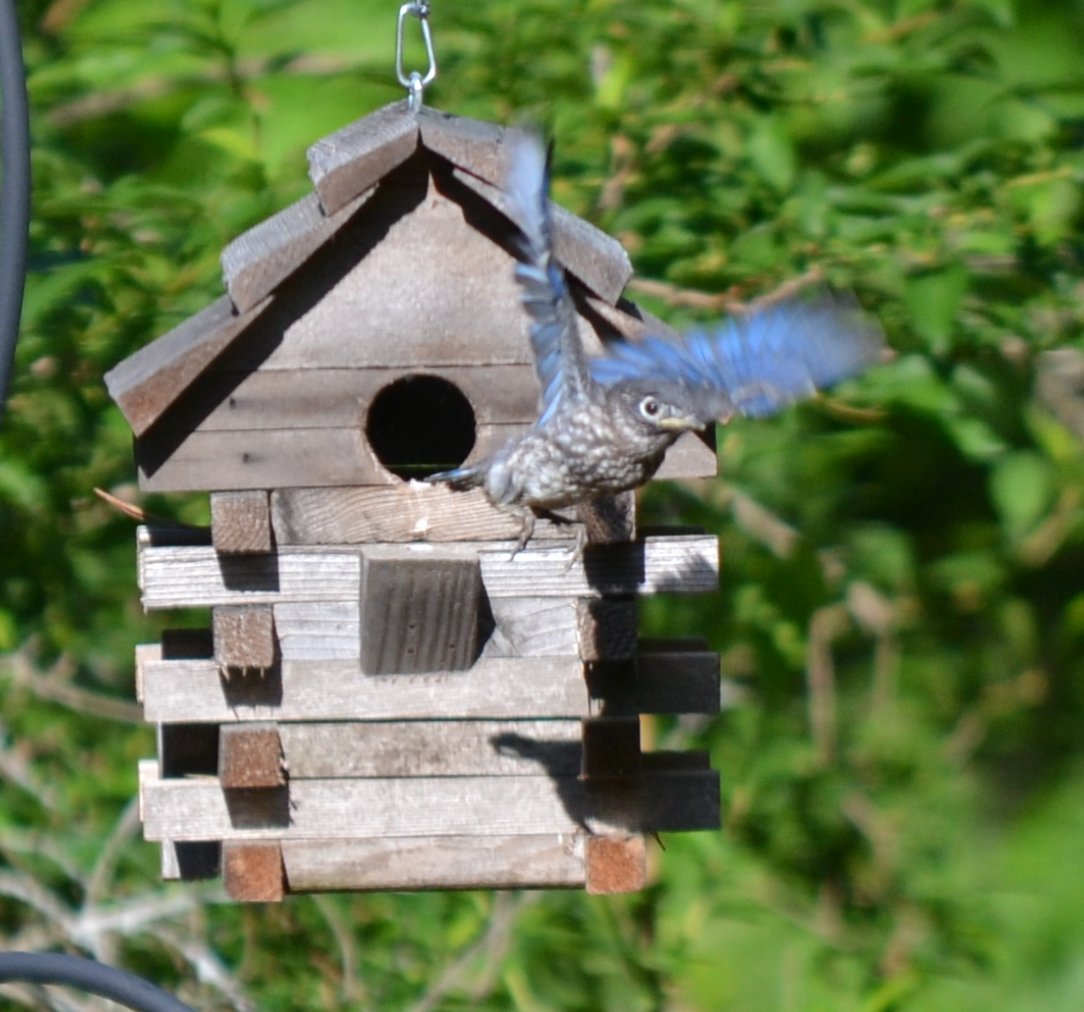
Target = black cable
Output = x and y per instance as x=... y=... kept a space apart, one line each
x=14 y=189
x=94 y=978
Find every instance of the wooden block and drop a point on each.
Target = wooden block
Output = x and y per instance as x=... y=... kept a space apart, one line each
x=250 y=755
x=244 y=637
x=607 y=628
x=547 y=861
x=188 y=691
x=428 y=748
x=611 y=747
x=656 y=683
x=673 y=761
x=349 y=161
x=420 y=613
x=148 y=382
x=196 y=576
x=241 y=522
x=259 y=260
x=615 y=865
x=408 y=511
x=252 y=872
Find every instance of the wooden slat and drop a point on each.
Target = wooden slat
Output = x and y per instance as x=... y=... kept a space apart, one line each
x=411 y=511
x=198 y=808
x=252 y=872
x=191 y=860
x=607 y=627
x=259 y=260
x=615 y=865
x=241 y=522
x=553 y=860
x=430 y=748
x=692 y=456
x=354 y=158
x=185 y=691
x=309 y=398
x=244 y=637
x=419 y=613
x=195 y=576
x=250 y=755
x=318 y=630
x=147 y=383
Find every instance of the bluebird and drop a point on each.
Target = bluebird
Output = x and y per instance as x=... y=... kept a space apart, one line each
x=605 y=423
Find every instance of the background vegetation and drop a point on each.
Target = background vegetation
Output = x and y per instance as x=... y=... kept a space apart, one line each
x=902 y=611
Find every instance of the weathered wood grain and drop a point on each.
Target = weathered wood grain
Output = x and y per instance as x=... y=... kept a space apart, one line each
x=615 y=865
x=471 y=144
x=408 y=511
x=191 y=690
x=425 y=748
x=546 y=861
x=259 y=260
x=195 y=576
x=318 y=630
x=533 y=627
x=252 y=872
x=241 y=522
x=250 y=755
x=346 y=163
x=420 y=613
x=148 y=382
x=199 y=809
x=244 y=637
x=307 y=398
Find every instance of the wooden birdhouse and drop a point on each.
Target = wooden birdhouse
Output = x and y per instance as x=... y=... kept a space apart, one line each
x=387 y=697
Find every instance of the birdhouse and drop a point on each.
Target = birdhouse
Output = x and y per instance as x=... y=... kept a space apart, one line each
x=388 y=696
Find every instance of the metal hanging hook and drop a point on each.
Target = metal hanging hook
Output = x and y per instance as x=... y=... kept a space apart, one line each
x=415 y=81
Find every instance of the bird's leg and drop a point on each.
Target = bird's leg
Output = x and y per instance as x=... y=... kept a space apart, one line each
x=526 y=529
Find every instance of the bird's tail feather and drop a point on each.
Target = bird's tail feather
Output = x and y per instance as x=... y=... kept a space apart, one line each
x=459 y=478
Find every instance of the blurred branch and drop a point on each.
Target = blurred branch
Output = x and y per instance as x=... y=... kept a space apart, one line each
x=55 y=685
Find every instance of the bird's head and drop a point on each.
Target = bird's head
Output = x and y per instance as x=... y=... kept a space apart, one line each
x=657 y=409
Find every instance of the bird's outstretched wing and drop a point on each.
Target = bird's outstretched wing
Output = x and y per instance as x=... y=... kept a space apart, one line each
x=560 y=362
x=753 y=365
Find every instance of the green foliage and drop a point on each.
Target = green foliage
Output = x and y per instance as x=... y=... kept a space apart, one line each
x=902 y=614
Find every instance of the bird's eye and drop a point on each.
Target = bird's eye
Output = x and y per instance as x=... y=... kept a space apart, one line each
x=649 y=407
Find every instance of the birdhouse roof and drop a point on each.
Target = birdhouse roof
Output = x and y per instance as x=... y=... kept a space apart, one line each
x=353 y=170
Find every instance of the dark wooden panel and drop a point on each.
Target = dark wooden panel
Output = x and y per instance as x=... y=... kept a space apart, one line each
x=420 y=614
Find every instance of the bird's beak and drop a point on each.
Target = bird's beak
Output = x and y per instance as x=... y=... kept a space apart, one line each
x=681 y=423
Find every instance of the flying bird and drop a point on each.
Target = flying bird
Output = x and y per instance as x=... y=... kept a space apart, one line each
x=605 y=423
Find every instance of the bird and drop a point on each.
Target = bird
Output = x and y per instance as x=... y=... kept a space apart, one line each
x=605 y=423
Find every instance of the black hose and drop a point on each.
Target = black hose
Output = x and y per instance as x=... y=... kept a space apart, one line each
x=93 y=978
x=14 y=189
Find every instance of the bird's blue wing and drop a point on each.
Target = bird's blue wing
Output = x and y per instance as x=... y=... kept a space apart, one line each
x=560 y=362
x=753 y=365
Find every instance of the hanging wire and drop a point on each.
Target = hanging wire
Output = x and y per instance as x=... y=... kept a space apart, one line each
x=415 y=81
x=14 y=189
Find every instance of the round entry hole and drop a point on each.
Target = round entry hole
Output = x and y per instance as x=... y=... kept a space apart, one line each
x=420 y=425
